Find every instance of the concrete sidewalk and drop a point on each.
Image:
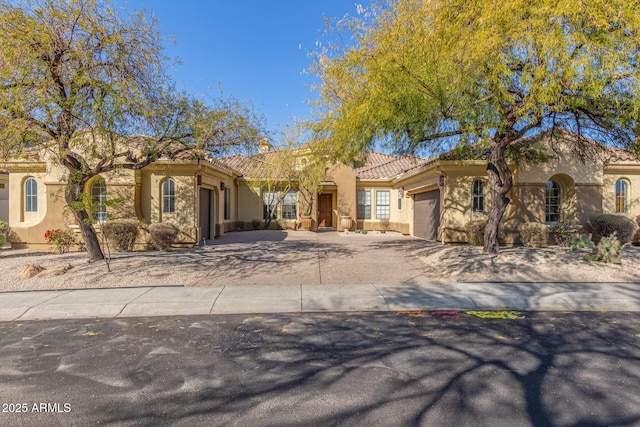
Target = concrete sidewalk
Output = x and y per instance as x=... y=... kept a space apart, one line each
x=178 y=300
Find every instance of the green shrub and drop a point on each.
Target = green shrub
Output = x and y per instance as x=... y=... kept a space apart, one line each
x=163 y=235
x=256 y=223
x=475 y=232
x=60 y=240
x=563 y=234
x=607 y=224
x=534 y=234
x=636 y=236
x=3 y=230
x=121 y=234
x=239 y=225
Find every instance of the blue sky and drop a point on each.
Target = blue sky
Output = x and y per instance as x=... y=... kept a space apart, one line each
x=254 y=50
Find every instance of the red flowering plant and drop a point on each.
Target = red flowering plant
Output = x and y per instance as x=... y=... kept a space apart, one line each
x=60 y=240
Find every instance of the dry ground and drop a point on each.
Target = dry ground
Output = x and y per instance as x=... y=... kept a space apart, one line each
x=463 y=263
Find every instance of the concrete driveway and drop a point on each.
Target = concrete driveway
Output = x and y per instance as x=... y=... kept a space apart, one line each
x=300 y=257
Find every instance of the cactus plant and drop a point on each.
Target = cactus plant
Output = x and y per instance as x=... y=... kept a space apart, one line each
x=609 y=249
x=581 y=242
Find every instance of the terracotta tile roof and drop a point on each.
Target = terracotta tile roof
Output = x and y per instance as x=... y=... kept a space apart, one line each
x=249 y=166
x=587 y=148
x=373 y=165
x=386 y=166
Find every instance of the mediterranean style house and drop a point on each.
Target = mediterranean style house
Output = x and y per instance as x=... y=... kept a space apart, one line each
x=428 y=198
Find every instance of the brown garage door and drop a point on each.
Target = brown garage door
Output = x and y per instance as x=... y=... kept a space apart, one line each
x=426 y=215
x=205 y=213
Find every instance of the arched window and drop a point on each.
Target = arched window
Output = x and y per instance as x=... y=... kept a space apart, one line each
x=31 y=195
x=621 y=196
x=478 y=196
x=169 y=196
x=99 y=200
x=553 y=202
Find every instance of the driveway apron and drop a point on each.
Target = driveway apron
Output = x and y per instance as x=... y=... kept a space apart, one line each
x=306 y=258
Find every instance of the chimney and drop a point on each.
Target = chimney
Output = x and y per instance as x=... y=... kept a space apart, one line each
x=264 y=146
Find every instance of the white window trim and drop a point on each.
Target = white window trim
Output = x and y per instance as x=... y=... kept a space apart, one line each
x=33 y=206
x=380 y=216
x=364 y=205
x=168 y=197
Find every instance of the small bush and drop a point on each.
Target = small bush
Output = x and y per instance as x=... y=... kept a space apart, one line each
x=163 y=235
x=256 y=223
x=475 y=232
x=121 y=234
x=607 y=224
x=239 y=225
x=60 y=240
x=384 y=225
x=3 y=233
x=534 y=234
x=563 y=234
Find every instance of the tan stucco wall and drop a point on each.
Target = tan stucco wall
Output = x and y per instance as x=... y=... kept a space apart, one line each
x=4 y=197
x=249 y=202
x=629 y=172
x=139 y=192
x=344 y=200
x=186 y=217
x=586 y=191
x=28 y=229
x=425 y=180
x=399 y=219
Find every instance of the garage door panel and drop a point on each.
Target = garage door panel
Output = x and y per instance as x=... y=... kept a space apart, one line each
x=426 y=215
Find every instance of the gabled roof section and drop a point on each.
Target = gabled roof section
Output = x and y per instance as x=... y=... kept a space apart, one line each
x=386 y=166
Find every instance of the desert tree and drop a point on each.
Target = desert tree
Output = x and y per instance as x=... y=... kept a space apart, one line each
x=421 y=75
x=295 y=165
x=80 y=78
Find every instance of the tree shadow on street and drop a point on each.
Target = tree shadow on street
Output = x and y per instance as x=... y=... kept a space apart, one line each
x=405 y=368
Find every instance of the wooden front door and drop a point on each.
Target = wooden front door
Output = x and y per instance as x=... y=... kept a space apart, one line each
x=325 y=210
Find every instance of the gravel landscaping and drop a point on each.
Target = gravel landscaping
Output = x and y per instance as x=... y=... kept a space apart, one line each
x=462 y=263
x=284 y=257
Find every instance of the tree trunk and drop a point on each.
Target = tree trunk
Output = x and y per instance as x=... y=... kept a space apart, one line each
x=73 y=197
x=89 y=236
x=500 y=183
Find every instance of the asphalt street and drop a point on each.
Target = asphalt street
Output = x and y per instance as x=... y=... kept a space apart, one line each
x=463 y=368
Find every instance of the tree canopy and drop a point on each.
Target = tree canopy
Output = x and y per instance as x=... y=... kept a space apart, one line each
x=293 y=166
x=436 y=74
x=79 y=77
